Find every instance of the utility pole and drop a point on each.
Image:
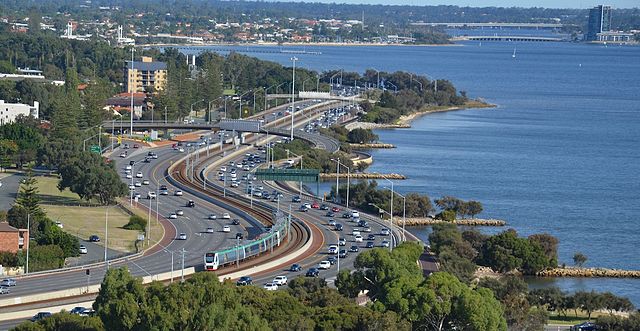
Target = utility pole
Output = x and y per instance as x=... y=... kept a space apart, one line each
x=28 y=242
x=131 y=79
x=182 y=276
x=293 y=93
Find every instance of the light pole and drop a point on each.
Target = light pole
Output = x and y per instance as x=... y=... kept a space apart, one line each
x=193 y=105
x=348 y=178
x=131 y=84
x=254 y=99
x=304 y=81
x=390 y=228
x=378 y=81
x=241 y=95
x=106 y=236
x=28 y=242
x=209 y=106
x=392 y=193
x=293 y=94
x=237 y=252
x=300 y=156
x=404 y=214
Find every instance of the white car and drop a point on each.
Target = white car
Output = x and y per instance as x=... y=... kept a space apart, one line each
x=358 y=238
x=209 y=230
x=307 y=205
x=127 y=167
x=332 y=222
x=180 y=212
x=137 y=184
x=280 y=280
x=178 y=193
x=355 y=214
x=83 y=249
x=151 y=195
x=137 y=195
x=355 y=232
x=128 y=176
x=385 y=232
x=145 y=182
x=59 y=224
x=212 y=216
x=182 y=236
x=139 y=174
x=226 y=216
x=181 y=150
x=385 y=243
x=323 y=265
x=164 y=192
x=123 y=155
x=173 y=216
x=333 y=249
x=223 y=168
x=226 y=228
x=270 y=287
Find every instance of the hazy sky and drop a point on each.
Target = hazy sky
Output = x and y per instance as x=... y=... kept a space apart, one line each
x=496 y=3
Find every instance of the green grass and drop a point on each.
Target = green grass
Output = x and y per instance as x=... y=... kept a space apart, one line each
x=49 y=194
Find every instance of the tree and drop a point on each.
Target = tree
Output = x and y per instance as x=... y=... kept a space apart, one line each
x=449 y=203
x=418 y=205
x=361 y=136
x=119 y=299
x=579 y=259
x=90 y=176
x=64 y=321
x=588 y=301
x=549 y=245
x=473 y=208
x=8 y=151
x=28 y=196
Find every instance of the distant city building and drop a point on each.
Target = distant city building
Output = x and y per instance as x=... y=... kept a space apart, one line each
x=146 y=75
x=615 y=37
x=599 y=21
x=10 y=111
x=12 y=239
x=122 y=102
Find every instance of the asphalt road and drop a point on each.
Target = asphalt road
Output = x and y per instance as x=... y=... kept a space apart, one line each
x=9 y=190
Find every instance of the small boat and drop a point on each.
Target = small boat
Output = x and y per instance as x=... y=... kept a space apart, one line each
x=514 y=53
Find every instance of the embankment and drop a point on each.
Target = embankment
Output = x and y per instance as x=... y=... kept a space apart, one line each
x=369 y=146
x=589 y=273
x=425 y=221
x=374 y=175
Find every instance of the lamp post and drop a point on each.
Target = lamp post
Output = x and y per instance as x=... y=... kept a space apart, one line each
x=131 y=85
x=106 y=236
x=293 y=93
x=300 y=156
x=28 y=242
x=404 y=214
x=254 y=99
x=348 y=178
x=378 y=81
x=303 y=82
x=277 y=91
x=240 y=98
x=209 y=106
x=337 y=179
x=392 y=193
x=391 y=227
x=193 y=105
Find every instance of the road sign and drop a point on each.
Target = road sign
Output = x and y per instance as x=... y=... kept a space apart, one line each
x=95 y=149
x=294 y=175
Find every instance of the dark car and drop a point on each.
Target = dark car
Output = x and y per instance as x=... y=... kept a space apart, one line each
x=332 y=260
x=190 y=203
x=78 y=310
x=313 y=272
x=239 y=236
x=363 y=223
x=371 y=237
x=339 y=227
x=586 y=326
x=244 y=280
x=370 y=244
x=346 y=215
x=163 y=187
x=330 y=214
x=354 y=249
x=295 y=267
x=94 y=238
x=343 y=253
x=303 y=209
x=235 y=222
x=296 y=199
x=324 y=207
x=39 y=316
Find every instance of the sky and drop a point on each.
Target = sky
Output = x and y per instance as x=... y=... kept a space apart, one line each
x=493 y=3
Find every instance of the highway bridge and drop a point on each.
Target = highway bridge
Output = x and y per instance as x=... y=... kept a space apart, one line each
x=507 y=38
x=493 y=25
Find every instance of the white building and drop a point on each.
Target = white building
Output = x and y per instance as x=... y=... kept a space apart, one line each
x=10 y=111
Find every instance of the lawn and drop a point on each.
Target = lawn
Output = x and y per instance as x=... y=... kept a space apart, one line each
x=85 y=221
x=49 y=193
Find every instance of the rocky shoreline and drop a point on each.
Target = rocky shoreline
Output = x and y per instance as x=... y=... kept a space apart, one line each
x=589 y=273
x=374 y=175
x=425 y=221
x=367 y=146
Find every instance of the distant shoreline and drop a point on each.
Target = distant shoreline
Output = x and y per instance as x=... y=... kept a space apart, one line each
x=322 y=44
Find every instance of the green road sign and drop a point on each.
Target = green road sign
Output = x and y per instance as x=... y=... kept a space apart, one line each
x=95 y=149
x=293 y=175
x=229 y=92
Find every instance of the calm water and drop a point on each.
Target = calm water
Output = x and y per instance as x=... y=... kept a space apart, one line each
x=559 y=154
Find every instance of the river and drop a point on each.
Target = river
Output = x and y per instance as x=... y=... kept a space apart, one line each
x=558 y=155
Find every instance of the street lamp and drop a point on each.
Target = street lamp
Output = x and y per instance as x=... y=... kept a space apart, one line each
x=391 y=222
x=378 y=81
x=240 y=98
x=293 y=93
x=131 y=84
x=348 y=178
x=300 y=156
x=193 y=105
x=209 y=106
x=304 y=81
x=404 y=214
x=254 y=98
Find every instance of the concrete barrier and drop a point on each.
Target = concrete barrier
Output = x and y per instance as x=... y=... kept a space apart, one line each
x=52 y=309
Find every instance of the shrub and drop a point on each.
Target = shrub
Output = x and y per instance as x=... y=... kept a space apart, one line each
x=46 y=257
x=447 y=215
x=136 y=223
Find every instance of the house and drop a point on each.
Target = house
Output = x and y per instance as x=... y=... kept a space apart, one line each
x=13 y=240
x=10 y=111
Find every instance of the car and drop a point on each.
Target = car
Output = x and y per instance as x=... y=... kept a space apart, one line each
x=355 y=232
x=139 y=174
x=330 y=214
x=235 y=222
x=303 y=209
x=226 y=228
x=136 y=146
x=296 y=199
x=385 y=232
x=342 y=242
x=145 y=182
x=355 y=214
x=280 y=280
x=137 y=195
x=78 y=310
x=354 y=249
x=338 y=227
x=83 y=249
x=385 y=243
x=59 y=224
x=346 y=215
x=585 y=326
x=4 y=290
x=244 y=280
x=370 y=244
x=295 y=267
x=125 y=146
x=332 y=222
x=342 y=253
x=127 y=167
x=335 y=209
x=306 y=204
x=191 y=204
x=128 y=176
x=163 y=187
x=40 y=316
x=213 y=216
x=178 y=193
x=226 y=216
x=8 y=282
x=137 y=184
x=182 y=236
x=151 y=195
x=324 y=265
x=358 y=238
x=315 y=205
x=313 y=272
x=371 y=237
x=366 y=229
x=363 y=223
x=332 y=259
x=94 y=238
x=239 y=235
x=173 y=216
x=324 y=207
x=180 y=212
x=333 y=249
x=123 y=155
x=270 y=287
x=209 y=230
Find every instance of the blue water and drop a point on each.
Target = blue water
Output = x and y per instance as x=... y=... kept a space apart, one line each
x=558 y=155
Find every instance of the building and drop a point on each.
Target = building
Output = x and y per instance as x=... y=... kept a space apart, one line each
x=146 y=75
x=599 y=21
x=13 y=240
x=10 y=111
x=122 y=102
x=615 y=37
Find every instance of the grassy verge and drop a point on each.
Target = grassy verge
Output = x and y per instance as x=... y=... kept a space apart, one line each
x=49 y=194
x=572 y=318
